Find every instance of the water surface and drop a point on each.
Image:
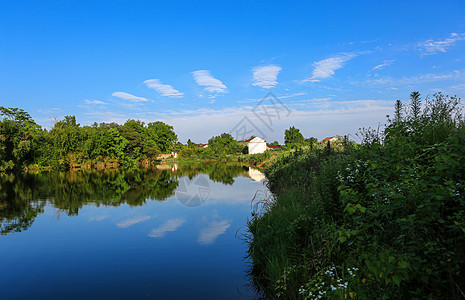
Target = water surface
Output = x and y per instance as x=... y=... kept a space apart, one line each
x=160 y=234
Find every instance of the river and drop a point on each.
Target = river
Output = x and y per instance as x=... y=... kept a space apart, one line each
x=169 y=233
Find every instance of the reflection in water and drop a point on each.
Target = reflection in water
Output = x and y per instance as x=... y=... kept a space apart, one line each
x=23 y=196
x=256 y=175
x=170 y=225
x=212 y=231
x=125 y=235
x=132 y=221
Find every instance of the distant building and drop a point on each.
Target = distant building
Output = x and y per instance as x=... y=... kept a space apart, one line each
x=174 y=153
x=203 y=146
x=256 y=145
x=273 y=147
x=331 y=139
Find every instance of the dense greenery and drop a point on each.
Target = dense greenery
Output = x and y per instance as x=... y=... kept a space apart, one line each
x=380 y=220
x=24 y=143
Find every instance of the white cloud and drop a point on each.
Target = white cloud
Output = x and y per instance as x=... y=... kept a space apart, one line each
x=132 y=221
x=164 y=89
x=211 y=84
x=129 y=97
x=326 y=68
x=50 y=110
x=422 y=78
x=386 y=63
x=87 y=101
x=266 y=76
x=170 y=225
x=432 y=47
x=458 y=87
x=209 y=234
x=319 y=117
x=250 y=100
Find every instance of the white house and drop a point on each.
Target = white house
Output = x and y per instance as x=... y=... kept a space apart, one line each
x=174 y=153
x=256 y=145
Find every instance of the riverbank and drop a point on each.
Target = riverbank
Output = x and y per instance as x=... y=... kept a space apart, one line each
x=384 y=219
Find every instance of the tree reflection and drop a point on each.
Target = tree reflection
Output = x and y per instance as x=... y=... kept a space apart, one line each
x=24 y=196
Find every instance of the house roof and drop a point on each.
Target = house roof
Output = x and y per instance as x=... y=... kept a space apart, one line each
x=246 y=141
x=328 y=139
x=174 y=151
x=204 y=145
x=257 y=140
x=273 y=146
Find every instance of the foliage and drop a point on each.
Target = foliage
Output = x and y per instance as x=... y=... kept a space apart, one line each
x=19 y=138
x=393 y=209
x=293 y=137
x=68 y=144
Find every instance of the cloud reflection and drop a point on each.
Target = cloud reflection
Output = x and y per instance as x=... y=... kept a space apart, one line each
x=129 y=222
x=209 y=234
x=170 y=225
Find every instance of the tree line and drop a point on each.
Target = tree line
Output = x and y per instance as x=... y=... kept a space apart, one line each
x=25 y=143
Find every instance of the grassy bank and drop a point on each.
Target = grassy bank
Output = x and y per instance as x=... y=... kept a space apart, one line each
x=380 y=220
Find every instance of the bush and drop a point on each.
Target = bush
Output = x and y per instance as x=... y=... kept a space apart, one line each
x=382 y=220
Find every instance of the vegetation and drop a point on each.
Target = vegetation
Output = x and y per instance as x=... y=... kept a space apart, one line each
x=68 y=145
x=24 y=143
x=380 y=220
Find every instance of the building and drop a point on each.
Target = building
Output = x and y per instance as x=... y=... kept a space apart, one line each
x=203 y=146
x=174 y=153
x=273 y=147
x=256 y=145
x=331 y=139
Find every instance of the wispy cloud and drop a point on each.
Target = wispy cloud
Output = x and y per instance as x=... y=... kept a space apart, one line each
x=266 y=76
x=50 y=110
x=209 y=234
x=250 y=100
x=164 y=89
x=87 y=101
x=326 y=68
x=385 y=64
x=210 y=83
x=129 y=97
x=132 y=221
x=422 y=78
x=432 y=47
x=170 y=225
x=458 y=87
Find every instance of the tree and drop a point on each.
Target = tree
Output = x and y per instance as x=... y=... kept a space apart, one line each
x=311 y=142
x=398 y=111
x=18 y=138
x=293 y=137
x=162 y=134
x=415 y=105
x=223 y=144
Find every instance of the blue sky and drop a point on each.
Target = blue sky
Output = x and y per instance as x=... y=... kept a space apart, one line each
x=334 y=66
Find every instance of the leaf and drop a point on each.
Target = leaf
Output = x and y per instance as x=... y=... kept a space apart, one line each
x=396 y=279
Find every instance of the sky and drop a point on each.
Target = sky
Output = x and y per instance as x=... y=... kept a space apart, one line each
x=240 y=67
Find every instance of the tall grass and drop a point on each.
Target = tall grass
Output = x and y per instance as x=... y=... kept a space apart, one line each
x=385 y=219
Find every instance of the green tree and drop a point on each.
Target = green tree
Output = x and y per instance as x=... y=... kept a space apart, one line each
x=162 y=134
x=19 y=136
x=293 y=137
x=222 y=145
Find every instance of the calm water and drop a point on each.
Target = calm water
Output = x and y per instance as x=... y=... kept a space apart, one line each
x=163 y=234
